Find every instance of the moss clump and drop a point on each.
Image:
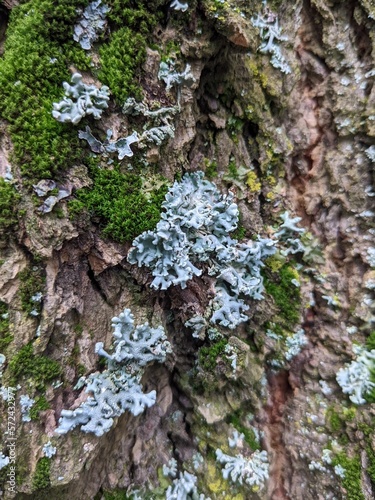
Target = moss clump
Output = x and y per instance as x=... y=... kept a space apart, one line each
x=210 y=169
x=8 y=208
x=285 y=294
x=123 y=55
x=38 y=51
x=249 y=434
x=208 y=355
x=118 y=203
x=39 y=405
x=5 y=337
x=41 y=478
x=334 y=419
x=39 y=368
x=32 y=282
x=121 y=59
x=352 y=479
x=370 y=341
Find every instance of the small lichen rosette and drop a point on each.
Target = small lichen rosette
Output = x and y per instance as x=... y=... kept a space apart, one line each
x=356 y=378
x=80 y=100
x=253 y=471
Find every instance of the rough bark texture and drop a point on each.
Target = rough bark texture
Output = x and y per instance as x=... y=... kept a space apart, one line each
x=305 y=135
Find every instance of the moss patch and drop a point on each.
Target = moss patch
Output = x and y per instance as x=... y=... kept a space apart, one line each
x=208 y=355
x=38 y=51
x=8 y=208
x=352 y=479
x=39 y=368
x=132 y=22
x=285 y=294
x=117 y=202
x=5 y=337
x=250 y=438
x=41 y=404
x=32 y=282
x=41 y=478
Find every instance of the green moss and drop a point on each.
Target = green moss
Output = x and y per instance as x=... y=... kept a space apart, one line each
x=232 y=170
x=38 y=52
x=40 y=404
x=368 y=431
x=117 y=202
x=285 y=294
x=370 y=341
x=121 y=60
x=39 y=368
x=250 y=438
x=78 y=330
x=334 y=419
x=125 y=52
x=239 y=233
x=352 y=479
x=210 y=169
x=41 y=478
x=5 y=337
x=32 y=282
x=8 y=208
x=208 y=355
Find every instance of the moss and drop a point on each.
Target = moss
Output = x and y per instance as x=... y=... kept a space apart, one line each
x=164 y=481
x=240 y=232
x=78 y=330
x=124 y=54
x=250 y=438
x=38 y=52
x=349 y=414
x=285 y=294
x=370 y=341
x=369 y=433
x=41 y=404
x=41 y=478
x=5 y=336
x=334 y=419
x=120 y=60
x=39 y=368
x=232 y=169
x=208 y=355
x=32 y=282
x=210 y=169
x=352 y=479
x=8 y=208
x=81 y=370
x=117 y=202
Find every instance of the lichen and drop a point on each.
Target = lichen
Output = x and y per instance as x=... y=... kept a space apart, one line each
x=118 y=388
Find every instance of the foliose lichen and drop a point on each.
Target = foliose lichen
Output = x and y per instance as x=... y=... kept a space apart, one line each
x=270 y=33
x=253 y=471
x=118 y=388
x=91 y=24
x=194 y=229
x=356 y=379
x=80 y=100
